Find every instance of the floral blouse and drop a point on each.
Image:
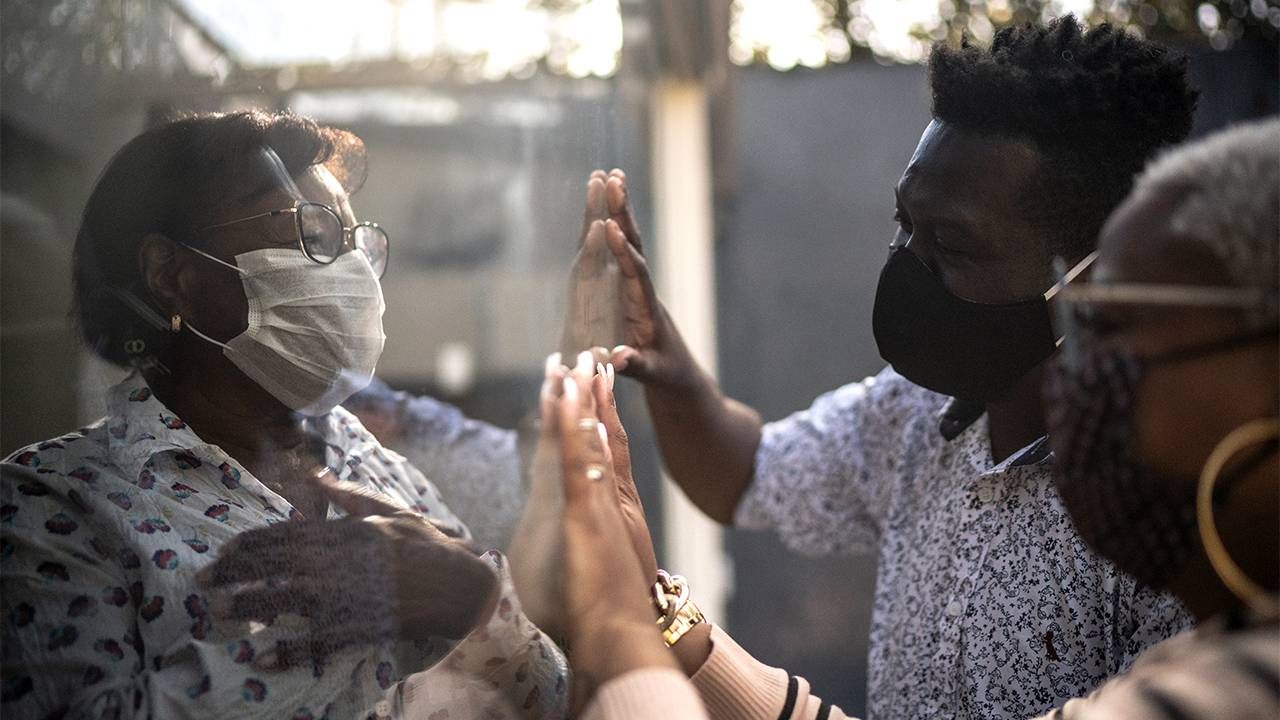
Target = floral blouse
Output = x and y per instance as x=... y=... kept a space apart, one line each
x=987 y=602
x=102 y=532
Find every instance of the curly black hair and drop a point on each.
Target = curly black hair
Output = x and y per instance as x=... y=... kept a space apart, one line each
x=170 y=180
x=1097 y=104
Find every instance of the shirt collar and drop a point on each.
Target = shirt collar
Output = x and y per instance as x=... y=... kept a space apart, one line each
x=140 y=426
x=1038 y=453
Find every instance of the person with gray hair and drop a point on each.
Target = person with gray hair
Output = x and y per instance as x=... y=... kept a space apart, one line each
x=1165 y=419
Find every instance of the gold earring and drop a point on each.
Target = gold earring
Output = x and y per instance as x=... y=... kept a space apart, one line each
x=1230 y=573
x=175 y=322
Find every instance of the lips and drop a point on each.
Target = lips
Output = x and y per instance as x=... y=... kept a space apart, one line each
x=153 y=609
x=60 y=524
x=110 y=648
x=165 y=559
x=230 y=476
x=241 y=651
x=254 y=690
x=183 y=490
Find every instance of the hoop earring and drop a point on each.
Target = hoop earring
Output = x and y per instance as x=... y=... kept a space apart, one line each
x=1249 y=592
x=175 y=323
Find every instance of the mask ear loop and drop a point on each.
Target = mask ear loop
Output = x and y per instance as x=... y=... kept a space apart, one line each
x=1069 y=340
x=1249 y=592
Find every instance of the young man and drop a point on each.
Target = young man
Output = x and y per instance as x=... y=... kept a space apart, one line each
x=988 y=604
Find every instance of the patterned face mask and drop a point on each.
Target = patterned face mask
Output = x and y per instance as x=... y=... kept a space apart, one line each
x=1142 y=521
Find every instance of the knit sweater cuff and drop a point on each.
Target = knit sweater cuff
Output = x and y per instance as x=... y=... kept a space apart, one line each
x=650 y=694
x=734 y=684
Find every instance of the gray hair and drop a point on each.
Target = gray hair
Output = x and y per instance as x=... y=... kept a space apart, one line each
x=1232 y=201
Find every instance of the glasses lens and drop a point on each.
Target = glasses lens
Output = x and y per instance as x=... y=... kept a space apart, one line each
x=374 y=243
x=321 y=232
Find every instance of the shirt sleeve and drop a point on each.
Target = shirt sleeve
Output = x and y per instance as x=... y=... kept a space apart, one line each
x=68 y=651
x=475 y=465
x=823 y=475
x=517 y=669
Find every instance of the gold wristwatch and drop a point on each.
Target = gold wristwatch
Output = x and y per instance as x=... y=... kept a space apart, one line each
x=678 y=614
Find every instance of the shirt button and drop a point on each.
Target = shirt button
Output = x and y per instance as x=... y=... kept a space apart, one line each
x=954 y=609
x=986 y=494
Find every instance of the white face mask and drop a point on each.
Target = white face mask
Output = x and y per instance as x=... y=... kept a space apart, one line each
x=315 y=331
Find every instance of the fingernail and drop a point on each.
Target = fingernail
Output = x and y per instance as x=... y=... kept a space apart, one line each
x=609 y=371
x=600 y=369
x=584 y=362
x=604 y=434
x=553 y=362
x=571 y=389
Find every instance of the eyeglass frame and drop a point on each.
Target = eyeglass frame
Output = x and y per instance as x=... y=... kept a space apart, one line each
x=348 y=233
x=1131 y=293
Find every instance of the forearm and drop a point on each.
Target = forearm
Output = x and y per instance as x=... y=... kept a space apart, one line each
x=708 y=441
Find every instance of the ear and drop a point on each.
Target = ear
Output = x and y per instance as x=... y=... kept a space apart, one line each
x=158 y=263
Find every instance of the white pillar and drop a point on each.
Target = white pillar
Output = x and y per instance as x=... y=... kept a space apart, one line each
x=685 y=278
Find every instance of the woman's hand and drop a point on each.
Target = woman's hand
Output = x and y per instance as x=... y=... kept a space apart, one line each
x=609 y=615
x=624 y=484
x=381 y=572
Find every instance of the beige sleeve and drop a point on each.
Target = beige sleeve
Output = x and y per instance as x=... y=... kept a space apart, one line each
x=735 y=686
x=651 y=694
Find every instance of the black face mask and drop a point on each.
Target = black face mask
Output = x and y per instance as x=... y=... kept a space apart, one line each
x=957 y=347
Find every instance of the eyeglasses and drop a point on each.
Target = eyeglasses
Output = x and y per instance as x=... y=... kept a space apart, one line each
x=322 y=236
x=1077 y=302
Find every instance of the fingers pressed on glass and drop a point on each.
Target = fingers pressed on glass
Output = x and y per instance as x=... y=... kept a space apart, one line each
x=584 y=455
x=597 y=203
x=620 y=209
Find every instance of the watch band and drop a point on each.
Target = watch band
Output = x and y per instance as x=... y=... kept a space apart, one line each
x=677 y=614
x=684 y=620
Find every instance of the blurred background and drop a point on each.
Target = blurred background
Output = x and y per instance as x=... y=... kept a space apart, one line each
x=761 y=139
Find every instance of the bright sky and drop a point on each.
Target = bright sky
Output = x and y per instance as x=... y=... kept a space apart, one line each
x=500 y=37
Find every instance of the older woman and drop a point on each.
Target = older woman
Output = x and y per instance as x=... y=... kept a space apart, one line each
x=1165 y=419
x=1166 y=426
x=228 y=542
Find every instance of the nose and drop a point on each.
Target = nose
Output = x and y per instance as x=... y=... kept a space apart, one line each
x=913 y=245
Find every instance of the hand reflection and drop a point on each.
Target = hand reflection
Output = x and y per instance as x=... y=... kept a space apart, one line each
x=381 y=572
x=594 y=311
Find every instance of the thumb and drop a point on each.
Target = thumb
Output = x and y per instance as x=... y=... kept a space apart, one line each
x=355 y=500
x=632 y=363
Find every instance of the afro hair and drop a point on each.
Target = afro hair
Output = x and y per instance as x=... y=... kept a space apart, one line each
x=1097 y=104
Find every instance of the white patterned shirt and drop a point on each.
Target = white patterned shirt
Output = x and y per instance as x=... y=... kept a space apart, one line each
x=987 y=602
x=102 y=532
